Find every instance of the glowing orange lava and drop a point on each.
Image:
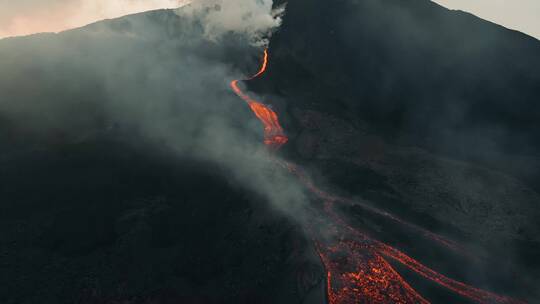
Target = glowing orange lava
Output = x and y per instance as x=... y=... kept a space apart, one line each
x=374 y=253
x=363 y=277
x=356 y=264
x=274 y=137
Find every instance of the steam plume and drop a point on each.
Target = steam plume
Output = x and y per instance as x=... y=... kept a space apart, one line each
x=254 y=18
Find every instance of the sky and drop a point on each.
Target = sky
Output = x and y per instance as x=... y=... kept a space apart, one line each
x=521 y=15
x=23 y=17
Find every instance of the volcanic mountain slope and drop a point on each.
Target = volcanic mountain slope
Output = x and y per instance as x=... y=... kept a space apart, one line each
x=411 y=75
x=427 y=113
x=417 y=73
x=122 y=150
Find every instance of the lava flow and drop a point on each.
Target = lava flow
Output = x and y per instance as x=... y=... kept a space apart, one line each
x=274 y=137
x=357 y=265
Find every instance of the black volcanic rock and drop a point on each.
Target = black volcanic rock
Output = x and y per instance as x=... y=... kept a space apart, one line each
x=419 y=74
x=107 y=222
x=428 y=112
x=427 y=97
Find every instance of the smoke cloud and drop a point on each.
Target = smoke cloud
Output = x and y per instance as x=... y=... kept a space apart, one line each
x=253 y=18
x=256 y=19
x=156 y=78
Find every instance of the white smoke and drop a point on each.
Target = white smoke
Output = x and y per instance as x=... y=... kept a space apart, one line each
x=254 y=18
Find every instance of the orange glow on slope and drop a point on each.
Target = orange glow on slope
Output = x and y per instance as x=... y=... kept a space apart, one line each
x=359 y=256
x=274 y=137
x=363 y=277
x=356 y=267
x=476 y=294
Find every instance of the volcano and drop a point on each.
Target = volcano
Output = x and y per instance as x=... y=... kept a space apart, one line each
x=382 y=152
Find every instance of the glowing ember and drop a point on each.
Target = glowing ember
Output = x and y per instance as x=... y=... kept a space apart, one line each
x=363 y=277
x=356 y=265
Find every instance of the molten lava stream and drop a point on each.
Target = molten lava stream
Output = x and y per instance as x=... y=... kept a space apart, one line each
x=274 y=137
x=376 y=251
x=363 y=276
x=356 y=265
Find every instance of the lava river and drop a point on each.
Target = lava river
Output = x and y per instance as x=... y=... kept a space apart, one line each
x=274 y=137
x=357 y=265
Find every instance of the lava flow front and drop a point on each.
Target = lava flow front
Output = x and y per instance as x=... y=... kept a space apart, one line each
x=357 y=265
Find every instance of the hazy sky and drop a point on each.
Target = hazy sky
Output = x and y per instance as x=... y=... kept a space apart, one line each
x=22 y=17
x=521 y=15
